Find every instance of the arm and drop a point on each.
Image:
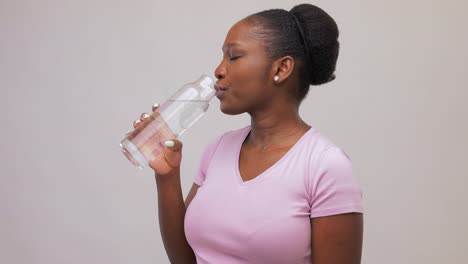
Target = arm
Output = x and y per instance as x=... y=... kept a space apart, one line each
x=171 y=218
x=191 y=195
x=337 y=239
x=171 y=205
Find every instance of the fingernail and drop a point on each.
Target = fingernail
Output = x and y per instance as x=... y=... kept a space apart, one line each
x=155 y=105
x=145 y=116
x=137 y=121
x=169 y=143
x=128 y=132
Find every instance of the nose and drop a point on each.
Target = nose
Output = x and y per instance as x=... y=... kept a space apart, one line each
x=220 y=71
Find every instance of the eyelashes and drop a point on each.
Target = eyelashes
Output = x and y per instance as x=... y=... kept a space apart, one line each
x=232 y=55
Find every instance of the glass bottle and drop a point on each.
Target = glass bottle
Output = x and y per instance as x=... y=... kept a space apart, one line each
x=169 y=121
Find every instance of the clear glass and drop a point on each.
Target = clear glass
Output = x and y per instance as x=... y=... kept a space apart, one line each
x=171 y=120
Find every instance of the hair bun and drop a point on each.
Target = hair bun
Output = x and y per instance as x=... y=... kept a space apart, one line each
x=321 y=34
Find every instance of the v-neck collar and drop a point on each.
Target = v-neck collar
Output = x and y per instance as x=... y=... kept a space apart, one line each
x=265 y=173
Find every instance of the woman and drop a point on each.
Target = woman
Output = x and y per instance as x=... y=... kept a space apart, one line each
x=276 y=191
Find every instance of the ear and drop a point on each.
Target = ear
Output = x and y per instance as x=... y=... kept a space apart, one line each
x=283 y=68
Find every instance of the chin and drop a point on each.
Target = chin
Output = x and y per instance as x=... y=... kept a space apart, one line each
x=230 y=110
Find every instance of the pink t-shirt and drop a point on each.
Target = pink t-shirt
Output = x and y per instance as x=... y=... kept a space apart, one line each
x=267 y=219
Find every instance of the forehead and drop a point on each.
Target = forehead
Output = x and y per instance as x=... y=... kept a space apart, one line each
x=242 y=34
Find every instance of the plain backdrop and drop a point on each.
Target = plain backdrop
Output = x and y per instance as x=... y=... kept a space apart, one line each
x=74 y=74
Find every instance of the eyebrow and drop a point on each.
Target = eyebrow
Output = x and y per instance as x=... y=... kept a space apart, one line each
x=230 y=45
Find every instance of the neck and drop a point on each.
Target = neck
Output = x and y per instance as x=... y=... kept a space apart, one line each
x=276 y=128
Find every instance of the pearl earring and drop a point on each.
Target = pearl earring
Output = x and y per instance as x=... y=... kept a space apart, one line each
x=276 y=78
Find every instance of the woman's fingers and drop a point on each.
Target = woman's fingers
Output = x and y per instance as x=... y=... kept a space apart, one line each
x=173 y=145
x=144 y=116
x=172 y=153
x=137 y=122
x=155 y=106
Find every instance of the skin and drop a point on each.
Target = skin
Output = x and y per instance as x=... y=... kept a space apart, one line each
x=245 y=75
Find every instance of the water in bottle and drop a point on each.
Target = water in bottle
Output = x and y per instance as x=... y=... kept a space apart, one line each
x=170 y=121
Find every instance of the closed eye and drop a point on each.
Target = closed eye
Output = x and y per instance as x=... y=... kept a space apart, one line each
x=234 y=58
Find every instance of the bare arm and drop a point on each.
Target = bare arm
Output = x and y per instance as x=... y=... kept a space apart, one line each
x=171 y=218
x=171 y=207
x=337 y=239
x=191 y=195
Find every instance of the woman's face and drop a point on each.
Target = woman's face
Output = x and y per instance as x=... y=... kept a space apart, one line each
x=244 y=74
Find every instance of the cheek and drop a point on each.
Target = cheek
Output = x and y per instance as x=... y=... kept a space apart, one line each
x=250 y=77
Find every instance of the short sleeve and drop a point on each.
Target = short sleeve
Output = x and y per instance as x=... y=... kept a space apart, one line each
x=205 y=161
x=333 y=189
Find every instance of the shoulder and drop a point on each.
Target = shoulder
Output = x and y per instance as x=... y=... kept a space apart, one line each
x=319 y=145
x=231 y=137
x=324 y=156
x=235 y=134
x=222 y=147
x=331 y=152
x=331 y=185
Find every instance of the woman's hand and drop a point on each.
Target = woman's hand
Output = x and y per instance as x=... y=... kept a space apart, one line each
x=168 y=162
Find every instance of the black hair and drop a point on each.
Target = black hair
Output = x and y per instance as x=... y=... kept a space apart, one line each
x=308 y=34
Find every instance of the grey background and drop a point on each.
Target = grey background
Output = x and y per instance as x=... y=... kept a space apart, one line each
x=75 y=74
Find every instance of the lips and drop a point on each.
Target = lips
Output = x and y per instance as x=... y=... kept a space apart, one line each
x=220 y=90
